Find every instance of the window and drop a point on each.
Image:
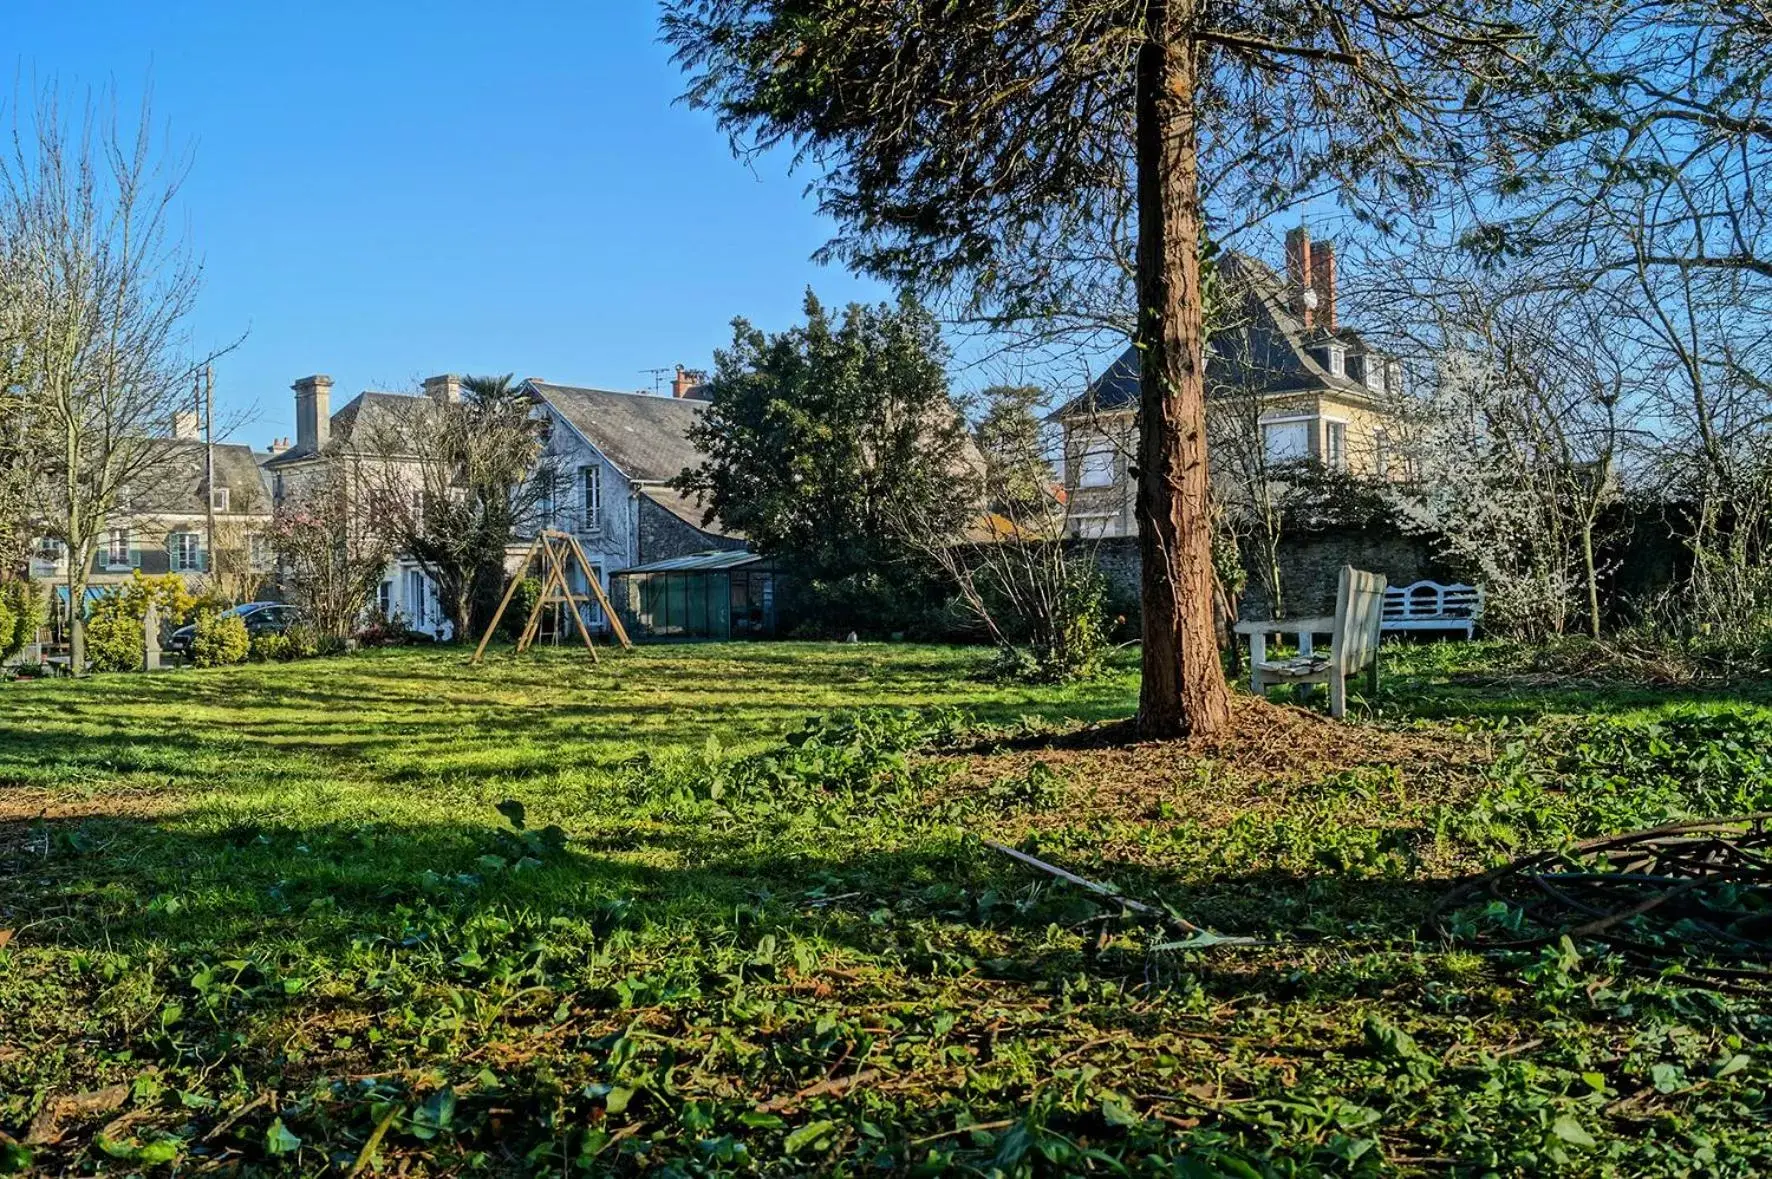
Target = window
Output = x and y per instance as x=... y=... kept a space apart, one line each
x=117 y=548
x=1381 y=453
x=415 y=599
x=1335 y=445
x=1337 y=358
x=1090 y=527
x=218 y=499
x=544 y=496
x=418 y=511
x=1375 y=374
x=384 y=599
x=591 y=491
x=1096 y=467
x=50 y=550
x=258 y=550
x=1287 y=442
x=186 y=557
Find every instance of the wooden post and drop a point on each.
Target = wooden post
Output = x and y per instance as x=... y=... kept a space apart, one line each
x=510 y=592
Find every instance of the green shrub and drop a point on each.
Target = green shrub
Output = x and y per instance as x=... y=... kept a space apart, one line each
x=114 y=632
x=271 y=647
x=516 y=614
x=220 y=639
x=306 y=641
x=28 y=606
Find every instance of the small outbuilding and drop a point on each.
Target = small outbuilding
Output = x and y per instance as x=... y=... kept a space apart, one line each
x=712 y=595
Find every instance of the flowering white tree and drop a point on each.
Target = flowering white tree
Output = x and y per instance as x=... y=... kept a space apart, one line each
x=1513 y=460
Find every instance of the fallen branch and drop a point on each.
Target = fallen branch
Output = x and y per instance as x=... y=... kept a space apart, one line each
x=828 y=1088
x=1199 y=938
x=1702 y=875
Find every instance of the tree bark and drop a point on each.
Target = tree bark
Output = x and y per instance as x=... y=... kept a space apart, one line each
x=1183 y=692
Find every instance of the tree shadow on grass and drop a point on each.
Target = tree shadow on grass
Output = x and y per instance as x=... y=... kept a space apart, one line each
x=351 y=960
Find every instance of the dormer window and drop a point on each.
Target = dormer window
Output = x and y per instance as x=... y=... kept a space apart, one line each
x=1335 y=359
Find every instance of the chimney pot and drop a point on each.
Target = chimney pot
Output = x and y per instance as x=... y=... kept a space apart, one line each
x=688 y=384
x=313 y=412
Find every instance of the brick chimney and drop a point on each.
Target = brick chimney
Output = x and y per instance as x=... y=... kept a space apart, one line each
x=1301 y=292
x=688 y=384
x=313 y=412
x=444 y=390
x=277 y=446
x=1323 y=283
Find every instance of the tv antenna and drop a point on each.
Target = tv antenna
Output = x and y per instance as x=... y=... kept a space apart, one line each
x=658 y=375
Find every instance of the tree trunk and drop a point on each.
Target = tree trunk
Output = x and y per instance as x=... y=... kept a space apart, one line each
x=1183 y=691
x=1591 y=569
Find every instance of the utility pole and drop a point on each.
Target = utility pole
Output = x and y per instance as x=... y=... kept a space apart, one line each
x=209 y=466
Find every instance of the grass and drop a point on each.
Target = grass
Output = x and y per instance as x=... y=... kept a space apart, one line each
x=285 y=919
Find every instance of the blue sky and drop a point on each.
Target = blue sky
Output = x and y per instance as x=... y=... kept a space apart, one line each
x=384 y=190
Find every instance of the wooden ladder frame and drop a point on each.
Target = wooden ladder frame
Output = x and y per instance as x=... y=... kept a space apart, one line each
x=555 y=548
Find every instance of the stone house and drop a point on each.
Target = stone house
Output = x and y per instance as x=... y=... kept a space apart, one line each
x=1285 y=382
x=163 y=525
x=606 y=466
x=362 y=439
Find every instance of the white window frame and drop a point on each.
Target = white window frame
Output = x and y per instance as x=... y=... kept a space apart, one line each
x=258 y=551
x=1295 y=419
x=590 y=490
x=1092 y=526
x=117 y=542
x=183 y=562
x=1096 y=467
x=1381 y=453
x=218 y=498
x=1335 y=462
x=417 y=585
x=1337 y=358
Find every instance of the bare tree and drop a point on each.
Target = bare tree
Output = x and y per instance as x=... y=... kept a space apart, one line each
x=1515 y=450
x=233 y=574
x=330 y=552
x=19 y=448
x=1038 y=595
x=450 y=492
x=106 y=288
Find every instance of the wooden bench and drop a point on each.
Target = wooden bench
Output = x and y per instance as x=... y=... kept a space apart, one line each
x=1353 y=632
x=1428 y=605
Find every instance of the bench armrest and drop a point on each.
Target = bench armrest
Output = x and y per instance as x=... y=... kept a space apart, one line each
x=1288 y=626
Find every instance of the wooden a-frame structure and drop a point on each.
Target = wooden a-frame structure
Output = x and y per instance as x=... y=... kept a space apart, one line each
x=555 y=549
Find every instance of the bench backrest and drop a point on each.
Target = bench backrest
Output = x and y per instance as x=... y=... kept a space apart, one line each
x=1427 y=600
x=1359 y=611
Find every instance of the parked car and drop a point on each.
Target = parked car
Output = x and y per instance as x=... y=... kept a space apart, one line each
x=261 y=618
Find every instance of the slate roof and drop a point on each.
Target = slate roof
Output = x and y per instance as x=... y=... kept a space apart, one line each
x=362 y=422
x=645 y=436
x=176 y=483
x=1266 y=349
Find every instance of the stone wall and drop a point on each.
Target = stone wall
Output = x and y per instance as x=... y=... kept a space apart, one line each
x=663 y=534
x=1309 y=564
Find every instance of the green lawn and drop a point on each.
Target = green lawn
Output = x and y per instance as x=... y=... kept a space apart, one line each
x=274 y=920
